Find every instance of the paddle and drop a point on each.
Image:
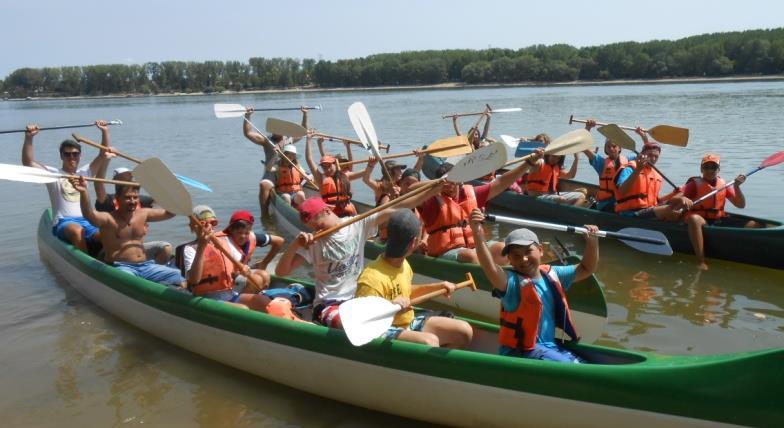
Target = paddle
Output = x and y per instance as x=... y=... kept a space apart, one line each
x=667 y=134
x=238 y=110
x=615 y=134
x=155 y=177
x=187 y=180
x=771 y=160
x=348 y=140
x=27 y=174
x=366 y=318
x=284 y=127
x=363 y=126
x=451 y=146
x=111 y=122
x=472 y=166
x=439 y=150
x=522 y=146
x=572 y=142
x=645 y=240
x=500 y=110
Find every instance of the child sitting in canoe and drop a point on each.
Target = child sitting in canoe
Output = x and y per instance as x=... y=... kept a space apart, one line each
x=446 y=215
x=389 y=277
x=336 y=259
x=288 y=179
x=607 y=167
x=546 y=171
x=334 y=184
x=533 y=296
x=711 y=211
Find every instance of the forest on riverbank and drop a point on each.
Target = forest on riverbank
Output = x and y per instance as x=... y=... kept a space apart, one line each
x=753 y=52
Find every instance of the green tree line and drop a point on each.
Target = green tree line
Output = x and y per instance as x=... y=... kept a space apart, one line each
x=713 y=55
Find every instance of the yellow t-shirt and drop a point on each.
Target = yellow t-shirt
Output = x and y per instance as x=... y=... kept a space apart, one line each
x=384 y=280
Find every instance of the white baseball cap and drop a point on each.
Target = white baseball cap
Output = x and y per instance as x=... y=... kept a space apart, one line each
x=118 y=171
x=290 y=148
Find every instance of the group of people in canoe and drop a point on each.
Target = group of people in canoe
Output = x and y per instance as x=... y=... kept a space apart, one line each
x=444 y=221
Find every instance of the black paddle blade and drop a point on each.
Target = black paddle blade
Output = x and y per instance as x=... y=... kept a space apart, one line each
x=645 y=240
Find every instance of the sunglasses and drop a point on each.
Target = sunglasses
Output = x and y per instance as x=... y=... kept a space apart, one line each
x=710 y=166
x=71 y=154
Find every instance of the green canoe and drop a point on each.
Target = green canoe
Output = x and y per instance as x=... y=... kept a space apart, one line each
x=471 y=387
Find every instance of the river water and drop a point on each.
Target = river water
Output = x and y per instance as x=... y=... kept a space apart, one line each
x=67 y=363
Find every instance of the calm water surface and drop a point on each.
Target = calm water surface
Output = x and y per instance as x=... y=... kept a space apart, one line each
x=67 y=363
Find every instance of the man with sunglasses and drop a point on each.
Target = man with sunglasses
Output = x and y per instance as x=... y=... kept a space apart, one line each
x=69 y=223
x=711 y=211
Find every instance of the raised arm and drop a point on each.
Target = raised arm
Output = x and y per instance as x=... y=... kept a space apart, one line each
x=28 y=159
x=494 y=273
x=367 y=179
x=503 y=182
x=304 y=122
x=102 y=158
x=157 y=214
x=250 y=133
x=317 y=177
x=573 y=169
x=590 y=260
x=97 y=219
x=454 y=125
x=488 y=115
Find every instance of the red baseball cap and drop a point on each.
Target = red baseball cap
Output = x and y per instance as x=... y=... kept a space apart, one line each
x=710 y=157
x=241 y=215
x=311 y=208
x=651 y=145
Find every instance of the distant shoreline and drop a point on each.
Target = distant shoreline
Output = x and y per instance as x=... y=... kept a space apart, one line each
x=619 y=82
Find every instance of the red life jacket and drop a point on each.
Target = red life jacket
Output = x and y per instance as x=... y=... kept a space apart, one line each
x=607 y=186
x=337 y=191
x=544 y=179
x=713 y=207
x=450 y=229
x=520 y=328
x=644 y=192
x=289 y=179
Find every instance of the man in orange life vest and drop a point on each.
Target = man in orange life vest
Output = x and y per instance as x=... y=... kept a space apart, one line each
x=271 y=155
x=533 y=296
x=288 y=183
x=711 y=211
x=607 y=168
x=638 y=186
x=334 y=184
x=446 y=215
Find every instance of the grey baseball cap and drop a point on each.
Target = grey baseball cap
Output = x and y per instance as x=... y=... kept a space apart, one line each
x=522 y=237
x=402 y=228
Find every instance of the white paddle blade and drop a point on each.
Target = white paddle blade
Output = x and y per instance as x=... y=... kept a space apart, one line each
x=506 y=110
x=366 y=318
x=510 y=141
x=363 y=127
x=155 y=177
x=27 y=174
x=228 y=110
x=617 y=136
x=479 y=163
x=285 y=128
x=572 y=142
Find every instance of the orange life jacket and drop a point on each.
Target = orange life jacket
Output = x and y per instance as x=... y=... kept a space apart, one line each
x=713 y=207
x=450 y=229
x=607 y=186
x=289 y=179
x=519 y=329
x=336 y=191
x=545 y=179
x=217 y=271
x=644 y=192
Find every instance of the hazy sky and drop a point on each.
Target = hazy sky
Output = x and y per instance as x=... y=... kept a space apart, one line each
x=37 y=33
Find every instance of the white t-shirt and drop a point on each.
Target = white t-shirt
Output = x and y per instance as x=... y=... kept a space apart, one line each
x=63 y=196
x=338 y=260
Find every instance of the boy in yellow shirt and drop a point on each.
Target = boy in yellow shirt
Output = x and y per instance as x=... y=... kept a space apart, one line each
x=390 y=276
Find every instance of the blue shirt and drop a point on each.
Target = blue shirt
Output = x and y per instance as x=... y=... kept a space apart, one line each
x=511 y=300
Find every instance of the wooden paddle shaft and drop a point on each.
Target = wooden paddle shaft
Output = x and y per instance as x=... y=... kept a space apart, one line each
x=352 y=220
x=469 y=282
x=104 y=180
x=349 y=140
x=402 y=155
x=281 y=154
x=89 y=142
x=216 y=242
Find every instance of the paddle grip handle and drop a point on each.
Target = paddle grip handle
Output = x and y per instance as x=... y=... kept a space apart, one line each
x=469 y=282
